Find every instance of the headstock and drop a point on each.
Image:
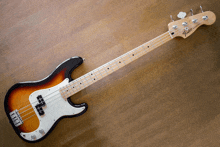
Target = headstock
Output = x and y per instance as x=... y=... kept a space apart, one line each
x=186 y=26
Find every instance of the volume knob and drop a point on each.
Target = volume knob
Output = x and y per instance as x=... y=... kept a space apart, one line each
x=184 y=23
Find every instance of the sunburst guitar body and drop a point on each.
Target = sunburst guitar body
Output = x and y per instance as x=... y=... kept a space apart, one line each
x=34 y=108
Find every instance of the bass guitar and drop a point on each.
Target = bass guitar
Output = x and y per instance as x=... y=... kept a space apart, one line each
x=34 y=108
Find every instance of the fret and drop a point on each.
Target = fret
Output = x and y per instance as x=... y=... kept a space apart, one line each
x=122 y=60
x=116 y=62
x=82 y=82
x=106 y=70
x=110 y=66
x=161 y=40
x=86 y=80
x=136 y=52
x=152 y=44
x=91 y=77
x=100 y=70
x=129 y=56
x=74 y=86
x=79 y=82
x=70 y=89
x=126 y=58
x=95 y=76
x=144 y=48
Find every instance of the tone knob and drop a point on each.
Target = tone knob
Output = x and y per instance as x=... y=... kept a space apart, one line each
x=205 y=17
x=194 y=20
x=33 y=137
x=42 y=132
x=184 y=23
x=174 y=26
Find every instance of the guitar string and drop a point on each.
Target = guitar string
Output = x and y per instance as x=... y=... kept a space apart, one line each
x=78 y=84
x=110 y=61
x=56 y=98
x=90 y=79
x=55 y=95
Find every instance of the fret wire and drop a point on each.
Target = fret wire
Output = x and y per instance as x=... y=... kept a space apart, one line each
x=91 y=78
x=83 y=82
x=106 y=71
x=78 y=83
x=75 y=86
x=161 y=40
x=122 y=60
x=114 y=66
x=86 y=79
x=136 y=52
x=144 y=49
x=102 y=70
x=99 y=72
x=110 y=66
x=70 y=89
x=116 y=63
x=129 y=56
x=95 y=74
x=125 y=56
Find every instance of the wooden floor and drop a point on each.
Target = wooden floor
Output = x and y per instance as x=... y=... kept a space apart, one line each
x=169 y=97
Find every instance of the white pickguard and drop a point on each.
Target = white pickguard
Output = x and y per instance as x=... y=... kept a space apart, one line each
x=56 y=107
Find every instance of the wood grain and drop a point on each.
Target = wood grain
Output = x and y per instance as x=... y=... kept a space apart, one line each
x=169 y=97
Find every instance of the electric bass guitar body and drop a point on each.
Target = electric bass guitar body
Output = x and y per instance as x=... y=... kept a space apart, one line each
x=34 y=108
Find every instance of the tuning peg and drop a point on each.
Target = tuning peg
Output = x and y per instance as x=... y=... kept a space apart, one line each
x=171 y=17
x=201 y=9
x=191 y=12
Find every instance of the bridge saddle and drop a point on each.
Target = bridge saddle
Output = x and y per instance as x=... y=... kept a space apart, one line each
x=16 y=118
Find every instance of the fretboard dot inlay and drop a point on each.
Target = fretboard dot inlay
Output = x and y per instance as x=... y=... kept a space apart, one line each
x=94 y=79
x=107 y=68
x=119 y=61
x=148 y=46
x=132 y=54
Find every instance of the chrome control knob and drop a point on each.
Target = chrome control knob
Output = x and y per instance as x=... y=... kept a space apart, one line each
x=184 y=23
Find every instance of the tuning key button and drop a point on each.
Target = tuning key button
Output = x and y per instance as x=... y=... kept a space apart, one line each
x=205 y=17
x=184 y=23
x=174 y=26
x=194 y=20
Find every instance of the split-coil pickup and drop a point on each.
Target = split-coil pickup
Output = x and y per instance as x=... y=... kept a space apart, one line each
x=39 y=107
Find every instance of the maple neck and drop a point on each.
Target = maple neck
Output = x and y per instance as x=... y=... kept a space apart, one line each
x=108 y=68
